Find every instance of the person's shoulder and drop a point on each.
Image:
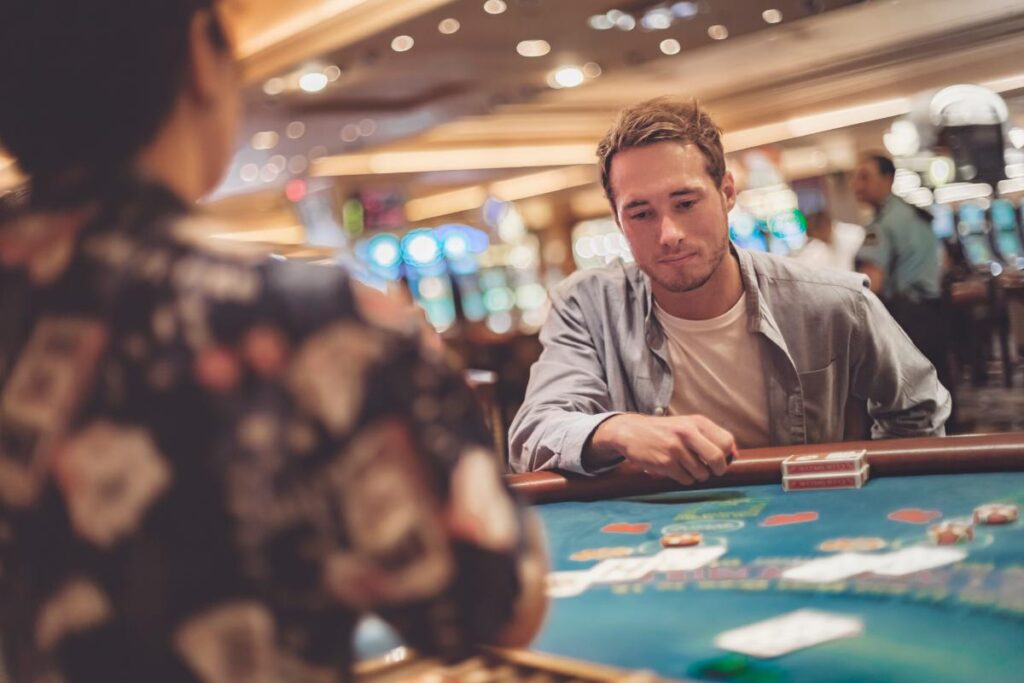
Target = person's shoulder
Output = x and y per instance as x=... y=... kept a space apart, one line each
x=781 y=270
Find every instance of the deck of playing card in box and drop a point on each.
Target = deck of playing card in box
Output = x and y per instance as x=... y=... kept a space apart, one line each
x=822 y=463
x=835 y=470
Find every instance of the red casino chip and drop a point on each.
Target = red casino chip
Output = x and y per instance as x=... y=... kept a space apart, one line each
x=681 y=540
x=951 y=532
x=996 y=513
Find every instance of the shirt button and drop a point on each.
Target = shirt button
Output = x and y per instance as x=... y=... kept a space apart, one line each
x=659 y=411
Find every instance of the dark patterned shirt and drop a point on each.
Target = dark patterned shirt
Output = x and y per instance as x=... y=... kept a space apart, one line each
x=212 y=464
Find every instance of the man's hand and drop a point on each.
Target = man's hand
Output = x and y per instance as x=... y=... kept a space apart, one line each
x=686 y=448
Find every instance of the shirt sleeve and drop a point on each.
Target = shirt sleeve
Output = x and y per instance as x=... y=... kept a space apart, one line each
x=877 y=247
x=902 y=389
x=567 y=397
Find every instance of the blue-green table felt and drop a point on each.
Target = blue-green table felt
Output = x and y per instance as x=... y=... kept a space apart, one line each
x=962 y=622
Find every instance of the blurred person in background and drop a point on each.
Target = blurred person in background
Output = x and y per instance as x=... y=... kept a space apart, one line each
x=700 y=347
x=211 y=463
x=830 y=244
x=900 y=256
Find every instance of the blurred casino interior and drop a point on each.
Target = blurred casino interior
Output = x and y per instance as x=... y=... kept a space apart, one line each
x=446 y=147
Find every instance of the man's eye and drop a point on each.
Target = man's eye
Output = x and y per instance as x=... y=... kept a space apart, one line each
x=640 y=215
x=687 y=204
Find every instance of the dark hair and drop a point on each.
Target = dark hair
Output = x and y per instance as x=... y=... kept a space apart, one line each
x=87 y=84
x=663 y=119
x=883 y=163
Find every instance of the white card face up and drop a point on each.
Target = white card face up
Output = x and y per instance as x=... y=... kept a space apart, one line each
x=567 y=584
x=917 y=559
x=794 y=631
x=833 y=568
x=622 y=569
x=686 y=559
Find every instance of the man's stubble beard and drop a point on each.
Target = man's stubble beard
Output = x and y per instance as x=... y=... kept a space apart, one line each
x=721 y=249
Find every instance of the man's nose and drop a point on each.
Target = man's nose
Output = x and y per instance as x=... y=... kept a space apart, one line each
x=671 y=232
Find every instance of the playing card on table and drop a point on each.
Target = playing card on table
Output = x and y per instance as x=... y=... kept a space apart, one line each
x=686 y=559
x=794 y=631
x=916 y=559
x=622 y=569
x=567 y=584
x=832 y=568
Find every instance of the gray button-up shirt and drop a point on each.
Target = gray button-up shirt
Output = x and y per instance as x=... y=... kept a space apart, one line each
x=826 y=340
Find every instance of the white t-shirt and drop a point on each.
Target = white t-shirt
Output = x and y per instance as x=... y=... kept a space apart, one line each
x=716 y=367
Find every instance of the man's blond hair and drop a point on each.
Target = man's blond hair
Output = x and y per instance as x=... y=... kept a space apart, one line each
x=663 y=119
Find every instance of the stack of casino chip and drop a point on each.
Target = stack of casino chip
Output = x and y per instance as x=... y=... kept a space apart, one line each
x=996 y=513
x=681 y=540
x=835 y=470
x=952 y=532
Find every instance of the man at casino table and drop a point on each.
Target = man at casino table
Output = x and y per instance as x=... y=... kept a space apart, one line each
x=700 y=347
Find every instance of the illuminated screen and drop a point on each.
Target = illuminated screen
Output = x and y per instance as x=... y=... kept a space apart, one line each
x=943 y=223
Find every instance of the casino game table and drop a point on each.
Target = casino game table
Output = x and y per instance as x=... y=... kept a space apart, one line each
x=961 y=622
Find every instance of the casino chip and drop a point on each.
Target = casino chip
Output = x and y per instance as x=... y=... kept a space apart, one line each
x=951 y=532
x=996 y=513
x=684 y=540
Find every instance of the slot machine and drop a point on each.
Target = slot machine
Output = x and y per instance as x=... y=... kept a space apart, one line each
x=972 y=232
x=1006 y=233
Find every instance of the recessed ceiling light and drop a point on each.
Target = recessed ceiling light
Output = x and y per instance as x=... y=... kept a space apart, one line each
x=591 y=69
x=274 y=86
x=670 y=46
x=332 y=72
x=685 y=10
x=566 y=77
x=533 y=48
x=350 y=133
x=367 y=127
x=402 y=43
x=314 y=81
x=718 y=32
x=495 y=6
x=449 y=26
x=600 y=22
x=295 y=130
x=657 y=19
x=625 y=22
x=772 y=16
x=264 y=140
x=249 y=173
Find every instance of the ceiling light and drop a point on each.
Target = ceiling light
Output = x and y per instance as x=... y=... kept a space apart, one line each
x=670 y=46
x=495 y=6
x=314 y=81
x=449 y=26
x=367 y=127
x=274 y=86
x=249 y=172
x=591 y=69
x=657 y=20
x=533 y=48
x=625 y=22
x=718 y=32
x=772 y=16
x=685 y=10
x=332 y=72
x=264 y=140
x=350 y=133
x=402 y=43
x=297 y=164
x=567 y=77
x=295 y=130
x=601 y=22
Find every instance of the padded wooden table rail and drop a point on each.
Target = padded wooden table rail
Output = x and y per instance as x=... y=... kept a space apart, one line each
x=888 y=458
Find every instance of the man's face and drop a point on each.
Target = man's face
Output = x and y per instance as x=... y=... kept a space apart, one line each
x=672 y=213
x=869 y=185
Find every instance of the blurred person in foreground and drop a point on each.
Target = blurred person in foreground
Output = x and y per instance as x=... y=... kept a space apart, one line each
x=901 y=257
x=211 y=464
x=700 y=347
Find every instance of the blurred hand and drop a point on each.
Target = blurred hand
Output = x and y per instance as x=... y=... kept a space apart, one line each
x=687 y=448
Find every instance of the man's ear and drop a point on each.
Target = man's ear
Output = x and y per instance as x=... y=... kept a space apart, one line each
x=729 y=191
x=205 y=59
